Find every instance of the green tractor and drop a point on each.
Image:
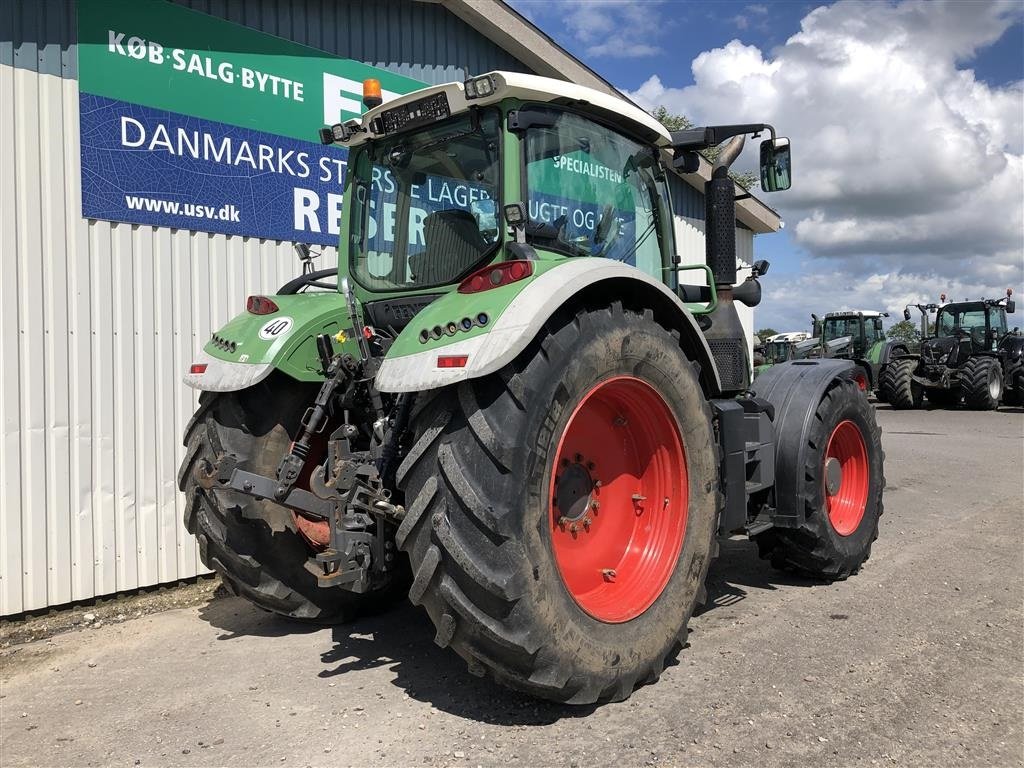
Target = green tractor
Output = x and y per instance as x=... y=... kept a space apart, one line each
x=512 y=410
x=783 y=348
x=857 y=335
x=971 y=356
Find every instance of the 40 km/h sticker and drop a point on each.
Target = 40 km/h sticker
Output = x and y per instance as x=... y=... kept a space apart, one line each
x=274 y=329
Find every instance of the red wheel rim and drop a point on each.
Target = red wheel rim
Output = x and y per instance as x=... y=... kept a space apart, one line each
x=847 y=476
x=619 y=499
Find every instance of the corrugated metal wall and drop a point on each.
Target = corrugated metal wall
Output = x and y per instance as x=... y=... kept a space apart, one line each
x=99 y=320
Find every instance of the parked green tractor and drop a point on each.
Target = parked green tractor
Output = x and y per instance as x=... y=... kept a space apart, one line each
x=783 y=348
x=858 y=336
x=971 y=356
x=512 y=409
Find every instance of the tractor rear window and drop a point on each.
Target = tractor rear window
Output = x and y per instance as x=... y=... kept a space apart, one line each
x=425 y=206
x=592 y=192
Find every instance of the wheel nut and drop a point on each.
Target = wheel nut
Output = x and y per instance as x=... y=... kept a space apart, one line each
x=595 y=505
x=572 y=528
x=586 y=523
x=608 y=574
x=591 y=466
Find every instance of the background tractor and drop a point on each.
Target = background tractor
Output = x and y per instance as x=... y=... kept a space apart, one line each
x=858 y=336
x=970 y=356
x=782 y=348
x=511 y=409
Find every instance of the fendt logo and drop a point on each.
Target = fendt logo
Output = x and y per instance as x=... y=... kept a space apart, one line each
x=343 y=98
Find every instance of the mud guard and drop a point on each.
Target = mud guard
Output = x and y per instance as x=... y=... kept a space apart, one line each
x=794 y=390
x=413 y=366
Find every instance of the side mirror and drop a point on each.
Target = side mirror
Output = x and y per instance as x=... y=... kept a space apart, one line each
x=906 y=314
x=761 y=267
x=775 y=165
x=1011 y=307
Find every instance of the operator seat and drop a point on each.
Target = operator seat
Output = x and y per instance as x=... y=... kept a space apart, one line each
x=453 y=245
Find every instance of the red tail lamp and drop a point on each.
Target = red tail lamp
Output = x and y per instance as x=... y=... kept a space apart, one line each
x=197 y=368
x=496 y=275
x=452 y=361
x=260 y=305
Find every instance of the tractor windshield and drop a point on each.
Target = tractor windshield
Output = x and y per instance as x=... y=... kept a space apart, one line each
x=777 y=351
x=425 y=205
x=838 y=327
x=954 y=319
x=593 y=192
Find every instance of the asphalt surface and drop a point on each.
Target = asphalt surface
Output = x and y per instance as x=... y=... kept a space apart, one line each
x=918 y=660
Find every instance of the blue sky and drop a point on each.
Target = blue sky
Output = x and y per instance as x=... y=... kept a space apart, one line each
x=942 y=78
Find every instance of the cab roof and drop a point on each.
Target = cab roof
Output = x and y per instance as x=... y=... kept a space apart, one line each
x=516 y=85
x=855 y=312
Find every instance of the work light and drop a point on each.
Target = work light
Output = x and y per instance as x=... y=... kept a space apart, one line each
x=478 y=87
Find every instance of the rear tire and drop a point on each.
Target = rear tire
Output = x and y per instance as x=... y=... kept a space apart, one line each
x=982 y=381
x=253 y=545
x=835 y=539
x=481 y=529
x=898 y=386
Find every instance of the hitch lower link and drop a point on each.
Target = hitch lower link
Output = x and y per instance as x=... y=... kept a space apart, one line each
x=348 y=494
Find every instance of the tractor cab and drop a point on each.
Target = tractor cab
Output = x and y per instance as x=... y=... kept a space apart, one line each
x=474 y=186
x=863 y=328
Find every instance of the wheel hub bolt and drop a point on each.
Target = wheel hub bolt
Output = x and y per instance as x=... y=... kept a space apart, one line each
x=586 y=523
x=608 y=574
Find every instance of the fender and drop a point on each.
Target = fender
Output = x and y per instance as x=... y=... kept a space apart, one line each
x=246 y=350
x=794 y=390
x=890 y=351
x=414 y=362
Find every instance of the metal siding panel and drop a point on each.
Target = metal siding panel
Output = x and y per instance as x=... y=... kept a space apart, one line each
x=104 y=447
x=11 y=527
x=144 y=338
x=31 y=337
x=53 y=258
x=125 y=501
x=80 y=369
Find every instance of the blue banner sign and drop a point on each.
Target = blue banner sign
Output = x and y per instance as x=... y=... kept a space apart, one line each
x=151 y=166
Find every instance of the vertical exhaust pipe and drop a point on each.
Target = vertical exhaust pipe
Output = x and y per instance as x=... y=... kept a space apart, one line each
x=720 y=217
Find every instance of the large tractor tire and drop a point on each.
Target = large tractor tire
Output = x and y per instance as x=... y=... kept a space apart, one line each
x=898 y=386
x=843 y=497
x=982 y=382
x=255 y=546
x=561 y=511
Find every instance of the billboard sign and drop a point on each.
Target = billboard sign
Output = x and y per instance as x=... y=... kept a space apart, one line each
x=197 y=123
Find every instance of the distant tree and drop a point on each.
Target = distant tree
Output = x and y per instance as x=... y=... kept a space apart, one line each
x=681 y=123
x=906 y=331
x=765 y=333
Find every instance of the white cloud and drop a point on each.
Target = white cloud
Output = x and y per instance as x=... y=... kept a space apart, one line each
x=908 y=171
x=620 y=29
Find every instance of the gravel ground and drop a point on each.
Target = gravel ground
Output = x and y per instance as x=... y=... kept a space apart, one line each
x=918 y=660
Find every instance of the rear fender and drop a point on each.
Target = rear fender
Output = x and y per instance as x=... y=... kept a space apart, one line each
x=516 y=316
x=249 y=347
x=794 y=390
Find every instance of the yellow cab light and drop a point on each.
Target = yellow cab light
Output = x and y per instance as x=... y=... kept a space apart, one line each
x=371 y=93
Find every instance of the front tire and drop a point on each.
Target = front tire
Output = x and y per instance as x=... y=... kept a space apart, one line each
x=518 y=571
x=982 y=382
x=843 y=497
x=898 y=386
x=253 y=545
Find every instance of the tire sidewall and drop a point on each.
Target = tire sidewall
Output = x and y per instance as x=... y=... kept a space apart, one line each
x=845 y=405
x=647 y=352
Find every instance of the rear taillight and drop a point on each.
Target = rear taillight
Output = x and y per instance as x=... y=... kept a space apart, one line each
x=197 y=368
x=260 y=305
x=452 y=361
x=496 y=275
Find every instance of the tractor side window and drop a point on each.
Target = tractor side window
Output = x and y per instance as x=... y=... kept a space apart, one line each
x=998 y=322
x=592 y=192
